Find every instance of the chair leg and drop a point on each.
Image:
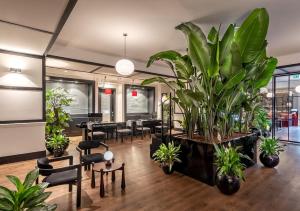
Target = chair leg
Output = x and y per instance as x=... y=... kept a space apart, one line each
x=78 y=197
x=122 y=138
x=70 y=187
x=131 y=137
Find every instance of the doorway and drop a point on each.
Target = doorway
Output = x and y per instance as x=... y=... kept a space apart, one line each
x=106 y=104
x=287 y=106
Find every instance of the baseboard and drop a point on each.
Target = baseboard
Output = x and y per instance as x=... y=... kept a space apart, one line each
x=22 y=157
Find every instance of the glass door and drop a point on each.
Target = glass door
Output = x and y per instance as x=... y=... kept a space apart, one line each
x=106 y=102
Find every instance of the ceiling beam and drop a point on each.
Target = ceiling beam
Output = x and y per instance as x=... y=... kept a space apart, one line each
x=94 y=70
x=104 y=65
x=26 y=27
x=67 y=12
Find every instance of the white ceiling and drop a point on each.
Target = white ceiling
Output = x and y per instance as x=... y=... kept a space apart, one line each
x=93 y=32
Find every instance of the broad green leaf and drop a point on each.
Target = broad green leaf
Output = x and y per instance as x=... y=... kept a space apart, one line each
x=156 y=79
x=213 y=69
x=213 y=35
x=5 y=204
x=235 y=80
x=15 y=180
x=198 y=48
x=252 y=34
x=225 y=44
x=38 y=199
x=30 y=178
x=265 y=76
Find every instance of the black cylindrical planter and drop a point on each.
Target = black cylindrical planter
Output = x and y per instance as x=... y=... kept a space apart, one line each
x=166 y=169
x=228 y=184
x=269 y=161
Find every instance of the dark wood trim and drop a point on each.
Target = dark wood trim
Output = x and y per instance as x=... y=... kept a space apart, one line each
x=62 y=68
x=44 y=86
x=35 y=56
x=97 y=68
x=22 y=157
x=282 y=70
x=289 y=65
x=21 y=121
x=22 y=88
x=105 y=65
x=26 y=27
x=67 y=12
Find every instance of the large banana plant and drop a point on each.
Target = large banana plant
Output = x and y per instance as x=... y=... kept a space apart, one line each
x=219 y=74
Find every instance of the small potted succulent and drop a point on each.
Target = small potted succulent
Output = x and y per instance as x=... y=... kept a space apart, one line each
x=229 y=168
x=26 y=195
x=58 y=143
x=167 y=155
x=269 y=152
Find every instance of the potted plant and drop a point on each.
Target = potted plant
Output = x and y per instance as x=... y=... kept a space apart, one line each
x=229 y=168
x=26 y=196
x=57 y=118
x=58 y=143
x=167 y=155
x=269 y=152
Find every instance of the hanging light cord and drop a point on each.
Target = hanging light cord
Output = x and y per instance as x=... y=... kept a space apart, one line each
x=125 y=36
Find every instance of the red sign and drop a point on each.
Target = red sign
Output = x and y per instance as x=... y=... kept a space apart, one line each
x=108 y=91
x=134 y=93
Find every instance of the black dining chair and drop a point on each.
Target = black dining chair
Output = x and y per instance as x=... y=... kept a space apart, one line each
x=70 y=175
x=97 y=132
x=86 y=157
x=141 y=129
x=125 y=129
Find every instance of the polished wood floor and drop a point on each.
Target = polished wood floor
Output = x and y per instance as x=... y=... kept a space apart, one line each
x=149 y=189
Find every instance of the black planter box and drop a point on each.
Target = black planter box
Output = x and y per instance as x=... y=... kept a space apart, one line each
x=198 y=157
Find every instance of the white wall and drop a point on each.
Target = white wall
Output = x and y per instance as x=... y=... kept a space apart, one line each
x=21 y=138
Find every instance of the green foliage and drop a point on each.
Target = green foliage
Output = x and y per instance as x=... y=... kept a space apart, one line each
x=220 y=76
x=26 y=196
x=261 y=120
x=228 y=161
x=167 y=154
x=57 y=141
x=270 y=146
x=56 y=117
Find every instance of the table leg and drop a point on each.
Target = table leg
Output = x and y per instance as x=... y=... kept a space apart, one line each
x=113 y=176
x=101 y=184
x=93 y=179
x=123 y=185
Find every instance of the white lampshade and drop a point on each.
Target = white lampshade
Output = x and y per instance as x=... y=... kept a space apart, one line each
x=125 y=67
x=108 y=155
x=297 y=89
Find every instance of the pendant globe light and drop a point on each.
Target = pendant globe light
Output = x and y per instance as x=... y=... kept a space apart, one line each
x=125 y=66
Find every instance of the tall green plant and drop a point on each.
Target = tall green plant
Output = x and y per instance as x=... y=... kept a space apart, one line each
x=219 y=75
x=56 y=116
x=26 y=196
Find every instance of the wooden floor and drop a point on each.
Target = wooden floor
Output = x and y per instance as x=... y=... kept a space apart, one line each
x=149 y=189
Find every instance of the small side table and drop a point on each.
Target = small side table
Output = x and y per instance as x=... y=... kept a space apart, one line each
x=103 y=169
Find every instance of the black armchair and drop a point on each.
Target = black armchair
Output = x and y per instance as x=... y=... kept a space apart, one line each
x=70 y=175
x=86 y=157
x=125 y=129
x=97 y=132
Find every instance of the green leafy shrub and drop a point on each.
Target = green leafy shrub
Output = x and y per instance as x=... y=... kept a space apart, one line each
x=56 y=117
x=228 y=161
x=27 y=196
x=57 y=141
x=270 y=146
x=167 y=154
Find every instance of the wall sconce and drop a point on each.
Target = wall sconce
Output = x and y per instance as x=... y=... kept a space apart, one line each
x=15 y=70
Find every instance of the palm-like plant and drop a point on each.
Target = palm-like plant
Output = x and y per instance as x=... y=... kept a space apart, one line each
x=270 y=146
x=228 y=161
x=219 y=76
x=26 y=196
x=167 y=154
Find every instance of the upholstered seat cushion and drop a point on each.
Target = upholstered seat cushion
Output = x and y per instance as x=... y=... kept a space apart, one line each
x=61 y=177
x=124 y=130
x=89 y=144
x=92 y=158
x=143 y=128
x=97 y=133
x=160 y=126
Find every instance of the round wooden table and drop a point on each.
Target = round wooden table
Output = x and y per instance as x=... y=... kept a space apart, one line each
x=103 y=169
